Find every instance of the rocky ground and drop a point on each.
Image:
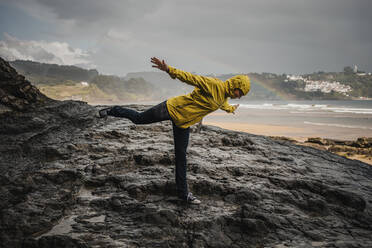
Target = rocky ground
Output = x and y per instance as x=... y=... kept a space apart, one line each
x=68 y=179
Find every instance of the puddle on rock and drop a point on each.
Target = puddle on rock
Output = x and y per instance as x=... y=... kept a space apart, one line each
x=86 y=194
x=63 y=227
x=100 y=218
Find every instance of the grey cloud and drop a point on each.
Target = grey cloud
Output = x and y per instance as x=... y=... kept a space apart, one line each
x=12 y=48
x=220 y=35
x=91 y=12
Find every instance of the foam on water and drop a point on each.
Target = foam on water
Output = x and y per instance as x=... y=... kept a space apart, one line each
x=308 y=108
x=335 y=125
x=352 y=110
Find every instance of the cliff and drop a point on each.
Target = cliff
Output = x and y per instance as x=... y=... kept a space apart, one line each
x=70 y=180
x=16 y=92
x=63 y=82
x=52 y=73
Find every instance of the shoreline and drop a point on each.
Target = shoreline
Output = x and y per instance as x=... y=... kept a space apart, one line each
x=293 y=134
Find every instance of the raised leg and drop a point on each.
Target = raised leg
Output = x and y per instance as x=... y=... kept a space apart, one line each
x=155 y=114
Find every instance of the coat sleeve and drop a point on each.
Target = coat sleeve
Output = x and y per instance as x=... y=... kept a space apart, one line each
x=206 y=84
x=227 y=107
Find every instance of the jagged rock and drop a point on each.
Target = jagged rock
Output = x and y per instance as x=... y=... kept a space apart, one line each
x=363 y=142
x=56 y=241
x=319 y=141
x=16 y=92
x=351 y=149
x=339 y=148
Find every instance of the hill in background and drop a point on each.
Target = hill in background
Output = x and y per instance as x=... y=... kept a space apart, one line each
x=71 y=82
x=52 y=74
x=271 y=86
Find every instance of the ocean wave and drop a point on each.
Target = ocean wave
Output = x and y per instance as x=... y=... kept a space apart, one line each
x=351 y=110
x=306 y=112
x=262 y=106
x=298 y=106
x=303 y=108
x=336 y=125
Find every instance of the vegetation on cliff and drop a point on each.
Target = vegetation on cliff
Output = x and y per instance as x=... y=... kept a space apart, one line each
x=52 y=74
x=16 y=92
x=71 y=82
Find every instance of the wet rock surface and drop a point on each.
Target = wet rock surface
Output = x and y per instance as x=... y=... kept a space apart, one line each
x=71 y=180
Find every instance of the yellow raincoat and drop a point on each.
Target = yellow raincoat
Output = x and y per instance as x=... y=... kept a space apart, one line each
x=209 y=95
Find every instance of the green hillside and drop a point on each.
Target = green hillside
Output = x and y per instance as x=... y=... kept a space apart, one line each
x=52 y=74
x=71 y=82
x=360 y=82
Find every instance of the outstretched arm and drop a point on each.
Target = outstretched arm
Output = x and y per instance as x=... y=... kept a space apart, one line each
x=206 y=84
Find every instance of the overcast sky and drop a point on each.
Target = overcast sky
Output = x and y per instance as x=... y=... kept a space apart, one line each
x=203 y=36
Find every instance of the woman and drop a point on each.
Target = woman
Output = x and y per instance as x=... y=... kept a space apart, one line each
x=209 y=95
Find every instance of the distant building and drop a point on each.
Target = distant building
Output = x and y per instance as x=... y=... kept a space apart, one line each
x=355 y=68
x=323 y=86
x=327 y=87
x=295 y=78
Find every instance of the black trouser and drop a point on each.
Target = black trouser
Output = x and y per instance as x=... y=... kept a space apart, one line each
x=180 y=135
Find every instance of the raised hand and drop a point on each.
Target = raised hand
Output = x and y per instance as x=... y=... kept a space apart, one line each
x=237 y=105
x=160 y=64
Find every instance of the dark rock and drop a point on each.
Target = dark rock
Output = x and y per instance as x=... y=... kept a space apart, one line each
x=116 y=202
x=340 y=148
x=56 y=241
x=346 y=198
x=254 y=226
x=318 y=140
x=363 y=142
x=16 y=92
x=361 y=146
x=67 y=180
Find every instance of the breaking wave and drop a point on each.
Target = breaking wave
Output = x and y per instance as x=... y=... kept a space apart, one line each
x=308 y=108
x=336 y=125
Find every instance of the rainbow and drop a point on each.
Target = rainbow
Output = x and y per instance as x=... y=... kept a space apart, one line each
x=274 y=91
x=254 y=80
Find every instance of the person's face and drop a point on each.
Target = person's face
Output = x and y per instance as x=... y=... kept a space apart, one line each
x=238 y=93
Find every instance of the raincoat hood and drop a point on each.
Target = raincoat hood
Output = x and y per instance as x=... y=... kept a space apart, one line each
x=238 y=82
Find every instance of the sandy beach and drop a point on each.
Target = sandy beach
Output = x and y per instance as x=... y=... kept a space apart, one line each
x=297 y=121
x=299 y=133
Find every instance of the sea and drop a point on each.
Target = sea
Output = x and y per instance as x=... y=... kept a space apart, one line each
x=341 y=120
